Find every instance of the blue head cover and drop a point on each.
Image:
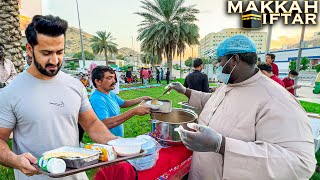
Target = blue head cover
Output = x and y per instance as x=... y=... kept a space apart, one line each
x=236 y=44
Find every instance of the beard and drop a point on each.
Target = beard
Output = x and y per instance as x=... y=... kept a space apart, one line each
x=43 y=70
x=112 y=86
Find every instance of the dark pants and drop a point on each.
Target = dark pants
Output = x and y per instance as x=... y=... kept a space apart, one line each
x=158 y=80
x=168 y=79
x=81 y=132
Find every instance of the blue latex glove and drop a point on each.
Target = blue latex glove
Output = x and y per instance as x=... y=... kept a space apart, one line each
x=204 y=139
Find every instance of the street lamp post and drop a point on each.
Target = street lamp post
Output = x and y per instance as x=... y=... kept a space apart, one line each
x=132 y=53
x=299 y=54
x=269 y=39
x=83 y=58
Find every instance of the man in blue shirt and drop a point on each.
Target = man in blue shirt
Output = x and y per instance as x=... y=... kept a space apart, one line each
x=106 y=104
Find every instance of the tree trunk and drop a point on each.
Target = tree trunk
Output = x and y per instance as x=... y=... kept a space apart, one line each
x=169 y=57
x=10 y=34
x=106 y=56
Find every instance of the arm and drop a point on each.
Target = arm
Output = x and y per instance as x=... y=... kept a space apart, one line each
x=284 y=151
x=288 y=88
x=197 y=99
x=94 y=127
x=132 y=102
x=114 y=121
x=8 y=158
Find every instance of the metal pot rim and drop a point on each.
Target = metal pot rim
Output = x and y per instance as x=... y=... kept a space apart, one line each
x=179 y=109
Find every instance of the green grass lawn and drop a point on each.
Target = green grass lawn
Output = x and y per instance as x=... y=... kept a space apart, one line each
x=141 y=125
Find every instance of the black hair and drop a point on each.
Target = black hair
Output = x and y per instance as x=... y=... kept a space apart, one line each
x=1 y=46
x=49 y=25
x=98 y=73
x=272 y=56
x=197 y=62
x=294 y=72
x=265 y=67
x=250 y=58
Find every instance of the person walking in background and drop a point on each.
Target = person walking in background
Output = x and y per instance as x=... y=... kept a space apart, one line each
x=270 y=60
x=289 y=81
x=92 y=66
x=197 y=80
x=116 y=89
x=7 y=69
x=129 y=75
x=145 y=76
x=266 y=69
x=168 y=75
x=149 y=75
x=28 y=62
x=141 y=77
x=158 y=76
x=161 y=74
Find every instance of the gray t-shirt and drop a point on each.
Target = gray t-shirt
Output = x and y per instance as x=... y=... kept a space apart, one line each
x=43 y=115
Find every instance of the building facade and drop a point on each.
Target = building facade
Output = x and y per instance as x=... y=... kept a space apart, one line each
x=283 y=57
x=210 y=42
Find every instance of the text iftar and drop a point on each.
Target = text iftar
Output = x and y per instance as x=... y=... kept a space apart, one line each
x=276 y=9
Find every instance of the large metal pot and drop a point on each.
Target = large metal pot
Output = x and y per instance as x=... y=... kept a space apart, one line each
x=163 y=125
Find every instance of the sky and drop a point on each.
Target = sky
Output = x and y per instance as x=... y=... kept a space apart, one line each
x=117 y=17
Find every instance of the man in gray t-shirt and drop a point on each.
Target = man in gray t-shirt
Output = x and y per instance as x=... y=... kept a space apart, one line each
x=43 y=105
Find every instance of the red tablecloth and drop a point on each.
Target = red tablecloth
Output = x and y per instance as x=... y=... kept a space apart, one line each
x=173 y=163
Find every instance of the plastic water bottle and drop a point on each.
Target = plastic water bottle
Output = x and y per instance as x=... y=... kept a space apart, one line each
x=52 y=165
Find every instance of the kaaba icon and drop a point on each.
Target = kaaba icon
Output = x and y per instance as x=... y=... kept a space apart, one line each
x=251 y=20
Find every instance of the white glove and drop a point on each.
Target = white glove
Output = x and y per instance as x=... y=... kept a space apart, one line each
x=204 y=139
x=178 y=87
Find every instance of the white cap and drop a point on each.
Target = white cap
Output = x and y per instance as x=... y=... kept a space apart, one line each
x=56 y=166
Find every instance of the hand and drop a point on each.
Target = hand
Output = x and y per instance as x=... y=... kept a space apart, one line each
x=296 y=86
x=204 y=139
x=144 y=98
x=178 y=87
x=24 y=164
x=141 y=110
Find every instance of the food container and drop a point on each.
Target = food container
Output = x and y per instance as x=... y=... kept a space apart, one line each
x=127 y=146
x=163 y=125
x=166 y=107
x=152 y=148
x=154 y=106
x=107 y=152
x=89 y=156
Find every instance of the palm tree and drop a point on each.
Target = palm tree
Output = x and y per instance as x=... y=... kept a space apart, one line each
x=151 y=57
x=103 y=42
x=167 y=27
x=10 y=33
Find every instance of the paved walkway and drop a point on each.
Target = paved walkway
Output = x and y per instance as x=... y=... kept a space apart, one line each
x=305 y=93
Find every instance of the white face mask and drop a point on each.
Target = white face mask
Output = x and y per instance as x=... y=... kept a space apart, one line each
x=223 y=77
